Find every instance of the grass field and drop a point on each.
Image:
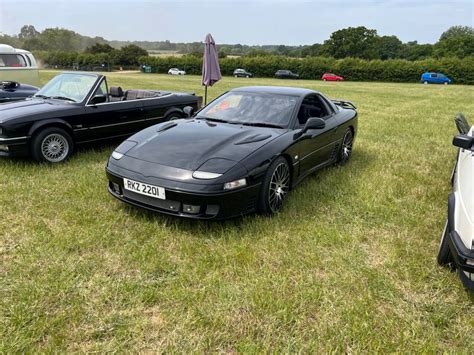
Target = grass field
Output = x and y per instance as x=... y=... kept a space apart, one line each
x=348 y=265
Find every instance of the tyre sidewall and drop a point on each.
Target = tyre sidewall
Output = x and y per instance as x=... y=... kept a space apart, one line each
x=340 y=159
x=263 y=204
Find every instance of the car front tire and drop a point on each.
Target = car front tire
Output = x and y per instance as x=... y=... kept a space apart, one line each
x=52 y=145
x=444 y=253
x=345 y=151
x=275 y=187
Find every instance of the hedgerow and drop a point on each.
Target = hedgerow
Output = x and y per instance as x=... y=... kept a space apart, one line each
x=354 y=69
x=396 y=70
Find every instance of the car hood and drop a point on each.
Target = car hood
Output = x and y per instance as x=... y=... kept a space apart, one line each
x=194 y=144
x=27 y=108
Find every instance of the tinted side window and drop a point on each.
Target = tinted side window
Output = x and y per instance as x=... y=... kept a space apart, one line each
x=434 y=75
x=12 y=61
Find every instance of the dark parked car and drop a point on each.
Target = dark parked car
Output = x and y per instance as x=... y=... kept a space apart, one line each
x=286 y=74
x=13 y=91
x=76 y=108
x=242 y=73
x=240 y=154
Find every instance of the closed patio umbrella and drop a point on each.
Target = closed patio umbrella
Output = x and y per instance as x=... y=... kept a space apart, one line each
x=211 y=72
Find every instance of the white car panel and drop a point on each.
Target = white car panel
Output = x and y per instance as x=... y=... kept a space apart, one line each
x=464 y=192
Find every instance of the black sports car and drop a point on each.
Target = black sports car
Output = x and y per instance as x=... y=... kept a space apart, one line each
x=242 y=73
x=286 y=74
x=13 y=91
x=241 y=153
x=76 y=108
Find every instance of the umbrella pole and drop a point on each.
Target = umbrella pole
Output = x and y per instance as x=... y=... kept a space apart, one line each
x=205 y=96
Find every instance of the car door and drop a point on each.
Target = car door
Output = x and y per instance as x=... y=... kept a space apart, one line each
x=316 y=147
x=111 y=119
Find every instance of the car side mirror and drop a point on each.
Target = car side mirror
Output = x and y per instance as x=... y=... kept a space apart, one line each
x=98 y=99
x=314 y=123
x=188 y=110
x=464 y=141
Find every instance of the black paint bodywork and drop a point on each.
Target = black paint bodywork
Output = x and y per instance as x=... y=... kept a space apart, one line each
x=13 y=91
x=166 y=155
x=286 y=74
x=84 y=121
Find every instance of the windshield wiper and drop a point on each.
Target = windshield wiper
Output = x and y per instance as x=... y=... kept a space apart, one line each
x=212 y=119
x=62 y=98
x=41 y=96
x=258 y=124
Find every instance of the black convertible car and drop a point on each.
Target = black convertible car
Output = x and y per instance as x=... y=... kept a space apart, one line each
x=76 y=108
x=242 y=153
x=13 y=91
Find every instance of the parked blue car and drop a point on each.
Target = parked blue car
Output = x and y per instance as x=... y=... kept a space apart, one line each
x=435 y=78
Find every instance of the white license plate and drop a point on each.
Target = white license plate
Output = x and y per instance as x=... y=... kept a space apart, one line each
x=144 y=189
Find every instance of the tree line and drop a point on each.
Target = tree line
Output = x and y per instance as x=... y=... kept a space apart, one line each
x=355 y=42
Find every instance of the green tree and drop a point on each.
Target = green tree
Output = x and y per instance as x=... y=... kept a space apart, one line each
x=27 y=32
x=100 y=48
x=129 y=55
x=457 y=41
x=359 y=42
x=457 y=31
x=414 y=51
x=389 y=47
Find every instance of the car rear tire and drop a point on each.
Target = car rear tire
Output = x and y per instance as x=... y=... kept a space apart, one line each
x=324 y=79
x=173 y=116
x=52 y=145
x=425 y=82
x=345 y=151
x=275 y=187
x=247 y=76
x=444 y=253
x=446 y=83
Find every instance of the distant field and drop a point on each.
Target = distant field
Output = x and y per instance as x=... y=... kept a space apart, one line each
x=347 y=266
x=156 y=53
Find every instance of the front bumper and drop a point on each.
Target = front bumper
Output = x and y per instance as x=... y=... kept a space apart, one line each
x=14 y=147
x=204 y=205
x=463 y=258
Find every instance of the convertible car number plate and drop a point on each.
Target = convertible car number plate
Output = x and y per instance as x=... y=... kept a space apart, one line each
x=144 y=189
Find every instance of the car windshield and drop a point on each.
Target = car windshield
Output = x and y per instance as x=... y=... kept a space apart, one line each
x=68 y=87
x=251 y=108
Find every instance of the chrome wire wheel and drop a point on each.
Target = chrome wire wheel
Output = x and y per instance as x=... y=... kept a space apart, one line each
x=54 y=148
x=346 y=149
x=279 y=187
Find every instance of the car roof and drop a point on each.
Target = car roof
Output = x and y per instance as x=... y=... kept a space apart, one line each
x=278 y=90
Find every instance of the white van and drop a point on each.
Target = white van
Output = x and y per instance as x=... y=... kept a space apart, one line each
x=18 y=65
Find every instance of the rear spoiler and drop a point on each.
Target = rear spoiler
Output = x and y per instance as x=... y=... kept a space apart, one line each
x=344 y=104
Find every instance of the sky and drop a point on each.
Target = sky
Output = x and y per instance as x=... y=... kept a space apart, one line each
x=289 y=22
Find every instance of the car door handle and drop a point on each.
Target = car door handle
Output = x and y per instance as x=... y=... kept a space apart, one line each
x=123 y=117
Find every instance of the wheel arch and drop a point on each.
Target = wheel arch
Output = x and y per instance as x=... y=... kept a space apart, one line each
x=40 y=125
x=173 y=110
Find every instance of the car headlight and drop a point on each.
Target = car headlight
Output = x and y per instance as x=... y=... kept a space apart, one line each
x=117 y=155
x=235 y=184
x=203 y=175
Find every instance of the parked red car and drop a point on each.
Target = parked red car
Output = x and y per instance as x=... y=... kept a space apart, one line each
x=331 y=77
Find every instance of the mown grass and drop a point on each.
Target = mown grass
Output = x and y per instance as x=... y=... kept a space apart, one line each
x=348 y=266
